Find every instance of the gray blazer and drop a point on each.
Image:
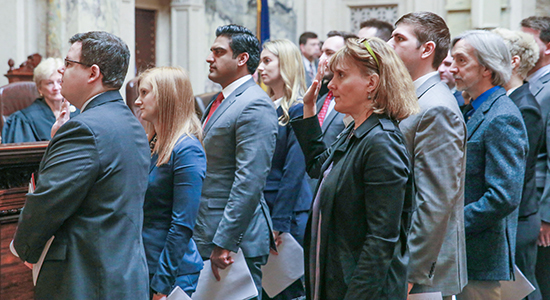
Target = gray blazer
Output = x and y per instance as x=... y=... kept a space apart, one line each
x=495 y=166
x=541 y=90
x=436 y=140
x=89 y=195
x=239 y=140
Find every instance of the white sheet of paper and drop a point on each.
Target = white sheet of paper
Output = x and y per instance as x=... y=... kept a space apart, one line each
x=38 y=265
x=283 y=269
x=516 y=290
x=426 y=296
x=178 y=294
x=236 y=282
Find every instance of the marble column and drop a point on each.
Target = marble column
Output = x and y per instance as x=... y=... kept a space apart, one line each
x=189 y=40
x=67 y=17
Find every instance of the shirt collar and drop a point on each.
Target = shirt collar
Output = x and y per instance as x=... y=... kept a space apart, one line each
x=88 y=102
x=277 y=102
x=476 y=103
x=539 y=73
x=420 y=81
x=234 y=85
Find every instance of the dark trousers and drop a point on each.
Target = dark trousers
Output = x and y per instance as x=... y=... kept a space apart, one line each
x=526 y=250
x=255 y=266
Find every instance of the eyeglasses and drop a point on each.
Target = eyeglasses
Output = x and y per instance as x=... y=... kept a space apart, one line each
x=67 y=61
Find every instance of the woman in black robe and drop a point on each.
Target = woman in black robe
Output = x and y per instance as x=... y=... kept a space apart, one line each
x=34 y=123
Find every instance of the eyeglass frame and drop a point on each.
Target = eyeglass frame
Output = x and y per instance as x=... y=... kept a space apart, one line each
x=67 y=61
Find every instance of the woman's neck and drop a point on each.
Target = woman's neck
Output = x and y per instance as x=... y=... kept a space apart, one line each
x=55 y=106
x=278 y=90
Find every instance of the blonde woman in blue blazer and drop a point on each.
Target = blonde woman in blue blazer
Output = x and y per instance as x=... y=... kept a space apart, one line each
x=176 y=174
x=287 y=191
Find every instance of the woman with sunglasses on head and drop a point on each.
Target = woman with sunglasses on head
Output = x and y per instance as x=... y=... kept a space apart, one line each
x=355 y=245
x=178 y=167
x=287 y=191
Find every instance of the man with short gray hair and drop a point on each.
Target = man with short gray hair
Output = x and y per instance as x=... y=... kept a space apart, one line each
x=497 y=148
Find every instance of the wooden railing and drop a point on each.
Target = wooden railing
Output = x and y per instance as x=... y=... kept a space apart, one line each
x=17 y=163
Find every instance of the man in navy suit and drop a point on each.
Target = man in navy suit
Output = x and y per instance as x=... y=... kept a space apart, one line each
x=539 y=84
x=240 y=129
x=497 y=148
x=91 y=185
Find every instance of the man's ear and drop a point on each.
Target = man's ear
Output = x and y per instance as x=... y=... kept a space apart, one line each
x=429 y=49
x=515 y=61
x=547 y=50
x=242 y=59
x=95 y=74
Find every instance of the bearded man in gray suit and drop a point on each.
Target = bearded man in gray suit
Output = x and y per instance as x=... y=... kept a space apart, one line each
x=436 y=140
x=240 y=128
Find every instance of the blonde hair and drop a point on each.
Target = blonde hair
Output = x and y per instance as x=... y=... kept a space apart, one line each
x=395 y=95
x=46 y=68
x=523 y=45
x=173 y=93
x=292 y=72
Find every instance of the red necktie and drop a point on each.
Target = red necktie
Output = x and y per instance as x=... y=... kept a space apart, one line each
x=323 y=112
x=214 y=106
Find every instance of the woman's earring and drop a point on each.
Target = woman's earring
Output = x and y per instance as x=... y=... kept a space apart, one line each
x=369 y=97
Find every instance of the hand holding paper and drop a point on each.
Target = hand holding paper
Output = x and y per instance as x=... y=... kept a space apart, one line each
x=235 y=282
x=220 y=259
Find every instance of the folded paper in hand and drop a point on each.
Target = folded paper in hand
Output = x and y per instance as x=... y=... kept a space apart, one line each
x=236 y=282
x=283 y=269
x=38 y=265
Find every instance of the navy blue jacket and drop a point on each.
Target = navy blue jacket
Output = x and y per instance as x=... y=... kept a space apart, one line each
x=287 y=189
x=170 y=211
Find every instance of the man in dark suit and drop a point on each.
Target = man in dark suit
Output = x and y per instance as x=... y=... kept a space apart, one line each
x=91 y=185
x=539 y=84
x=436 y=140
x=311 y=50
x=240 y=129
x=522 y=47
x=495 y=162
x=331 y=121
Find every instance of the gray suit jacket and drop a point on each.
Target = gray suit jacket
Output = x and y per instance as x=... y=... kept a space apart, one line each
x=239 y=140
x=541 y=90
x=89 y=195
x=495 y=166
x=436 y=140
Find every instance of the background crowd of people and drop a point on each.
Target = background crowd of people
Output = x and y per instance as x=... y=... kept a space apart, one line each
x=403 y=161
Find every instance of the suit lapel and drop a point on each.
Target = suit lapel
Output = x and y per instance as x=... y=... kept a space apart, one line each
x=428 y=84
x=537 y=86
x=226 y=103
x=479 y=115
